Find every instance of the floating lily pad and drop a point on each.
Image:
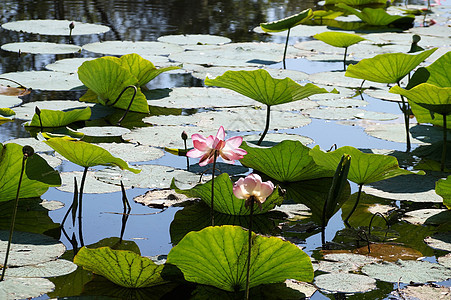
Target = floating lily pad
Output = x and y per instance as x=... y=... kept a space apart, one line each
x=421 y=216
x=426 y=292
x=199 y=97
x=236 y=119
x=271 y=139
x=45 y=80
x=344 y=262
x=37 y=145
x=151 y=176
x=439 y=31
x=343 y=102
x=127 y=47
x=161 y=198
x=55 y=27
x=406 y=188
x=68 y=65
x=52 y=204
x=41 y=48
x=104 y=131
x=92 y=185
x=345 y=283
x=439 y=241
x=406 y=38
x=362 y=50
x=297 y=31
x=52 y=268
x=419 y=134
x=132 y=152
x=330 y=113
x=165 y=136
x=408 y=271
x=376 y=116
x=9 y=101
x=194 y=39
x=338 y=78
x=383 y=94
x=29 y=248
x=24 y=288
x=235 y=55
x=220 y=168
x=445 y=260
x=389 y=252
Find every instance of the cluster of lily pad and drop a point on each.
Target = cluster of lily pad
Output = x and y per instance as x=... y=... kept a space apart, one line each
x=218 y=255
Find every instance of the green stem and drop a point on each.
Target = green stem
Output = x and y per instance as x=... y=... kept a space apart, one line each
x=135 y=90
x=286 y=47
x=442 y=163
x=268 y=114
x=405 y=111
x=80 y=202
x=13 y=219
x=249 y=246
x=355 y=205
x=187 y=158
x=344 y=58
x=212 y=212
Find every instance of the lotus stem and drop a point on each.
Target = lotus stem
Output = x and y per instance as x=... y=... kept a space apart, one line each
x=130 y=104
x=442 y=163
x=20 y=86
x=355 y=205
x=27 y=152
x=184 y=138
x=371 y=221
x=73 y=206
x=212 y=211
x=344 y=58
x=80 y=202
x=251 y=207
x=38 y=112
x=405 y=110
x=127 y=208
x=286 y=47
x=268 y=114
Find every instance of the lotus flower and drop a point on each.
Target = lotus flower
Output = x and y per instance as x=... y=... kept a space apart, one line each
x=205 y=148
x=252 y=188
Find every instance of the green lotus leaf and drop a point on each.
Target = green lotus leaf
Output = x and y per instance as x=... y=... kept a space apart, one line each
x=287 y=161
x=438 y=73
x=376 y=16
x=387 y=68
x=355 y=2
x=124 y=268
x=217 y=256
x=107 y=79
x=431 y=97
x=37 y=178
x=326 y=14
x=7 y=112
x=260 y=86
x=287 y=23
x=443 y=189
x=141 y=68
x=224 y=199
x=86 y=155
x=58 y=118
x=339 y=39
x=365 y=167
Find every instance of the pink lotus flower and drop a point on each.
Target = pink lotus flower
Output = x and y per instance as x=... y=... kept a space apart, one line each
x=252 y=188
x=205 y=148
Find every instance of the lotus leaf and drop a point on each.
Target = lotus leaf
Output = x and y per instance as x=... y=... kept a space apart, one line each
x=9 y=99
x=443 y=188
x=339 y=39
x=57 y=118
x=345 y=282
x=224 y=200
x=365 y=167
x=387 y=68
x=194 y=39
x=287 y=23
x=86 y=155
x=41 y=48
x=326 y=14
x=124 y=268
x=55 y=27
x=287 y=161
x=52 y=268
x=24 y=288
x=355 y=2
x=7 y=112
x=377 y=16
x=260 y=86
x=37 y=178
x=45 y=80
x=106 y=79
x=438 y=73
x=143 y=48
x=217 y=256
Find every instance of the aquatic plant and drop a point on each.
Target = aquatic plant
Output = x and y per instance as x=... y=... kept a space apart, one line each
x=208 y=149
x=365 y=167
x=287 y=24
x=443 y=188
x=254 y=191
x=390 y=68
x=57 y=118
x=378 y=16
x=262 y=87
x=339 y=39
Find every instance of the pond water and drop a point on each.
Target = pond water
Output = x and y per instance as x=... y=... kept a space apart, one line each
x=149 y=20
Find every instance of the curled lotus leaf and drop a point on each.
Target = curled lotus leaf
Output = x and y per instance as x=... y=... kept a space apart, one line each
x=287 y=23
x=377 y=16
x=58 y=118
x=217 y=256
x=86 y=155
x=123 y=267
x=339 y=39
x=387 y=68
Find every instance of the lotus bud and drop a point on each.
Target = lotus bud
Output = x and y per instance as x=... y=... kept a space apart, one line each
x=184 y=135
x=27 y=151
